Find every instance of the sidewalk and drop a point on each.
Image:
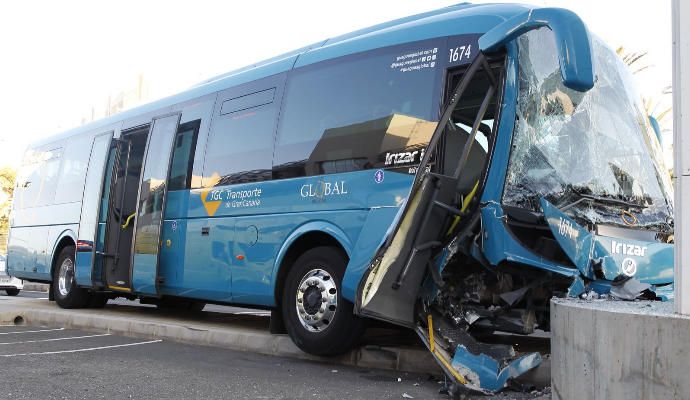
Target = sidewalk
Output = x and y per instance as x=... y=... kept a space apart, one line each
x=36 y=287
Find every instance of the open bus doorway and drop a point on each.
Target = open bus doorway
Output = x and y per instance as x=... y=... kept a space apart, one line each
x=126 y=158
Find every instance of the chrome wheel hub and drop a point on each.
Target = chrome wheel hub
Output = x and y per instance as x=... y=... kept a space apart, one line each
x=65 y=277
x=317 y=300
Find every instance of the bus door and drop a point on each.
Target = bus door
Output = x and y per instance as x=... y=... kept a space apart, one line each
x=118 y=206
x=151 y=205
x=442 y=203
x=135 y=206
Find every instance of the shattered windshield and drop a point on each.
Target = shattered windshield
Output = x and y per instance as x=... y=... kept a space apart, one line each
x=598 y=144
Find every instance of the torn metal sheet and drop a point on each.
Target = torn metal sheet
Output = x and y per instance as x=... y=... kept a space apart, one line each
x=577 y=287
x=648 y=262
x=486 y=374
x=514 y=296
x=629 y=289
x=485 y=368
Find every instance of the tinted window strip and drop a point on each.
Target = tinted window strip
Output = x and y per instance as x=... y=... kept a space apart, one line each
x=248 y=101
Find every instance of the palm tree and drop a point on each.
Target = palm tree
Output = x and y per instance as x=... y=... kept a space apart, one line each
x=636 y=61
x=655 y=107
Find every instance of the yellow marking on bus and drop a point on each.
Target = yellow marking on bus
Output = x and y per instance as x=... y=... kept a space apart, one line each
x=465 y=203
x=439 y=356
x=123 y=289
x=450 y=368
x=211 y=206
x=432 y=343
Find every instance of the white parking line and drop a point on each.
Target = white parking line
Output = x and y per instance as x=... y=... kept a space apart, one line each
x=40 y=330
x=80 y=350
x=55 y=339
x=17 y=326
x=253 y=313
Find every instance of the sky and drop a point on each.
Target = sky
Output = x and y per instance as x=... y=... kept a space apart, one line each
x=59 y=59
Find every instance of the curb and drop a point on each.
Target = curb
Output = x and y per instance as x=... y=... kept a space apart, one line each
x=403 y=359
x=36 y=287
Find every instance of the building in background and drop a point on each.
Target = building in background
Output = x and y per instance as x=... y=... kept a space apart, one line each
x=126 y=98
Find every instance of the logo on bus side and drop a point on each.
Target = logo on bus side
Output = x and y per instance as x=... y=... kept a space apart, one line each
x=404 y=157
x=627 y=249
x=629 y=267
x=211 y=205
x=378 y=176
x=212 y=199
x=323 y=189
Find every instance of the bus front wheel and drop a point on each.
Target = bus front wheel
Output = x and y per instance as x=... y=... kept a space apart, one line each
x=65 y=290
x=317 y=318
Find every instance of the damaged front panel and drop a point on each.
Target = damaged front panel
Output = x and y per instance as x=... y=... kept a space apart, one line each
x=414 y=280
x=585 y=208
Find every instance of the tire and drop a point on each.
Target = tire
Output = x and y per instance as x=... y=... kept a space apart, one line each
x=324 y=323
x=66 y=293
x=12 y=292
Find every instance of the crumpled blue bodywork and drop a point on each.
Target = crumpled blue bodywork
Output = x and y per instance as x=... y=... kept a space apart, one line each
x=486 y=373
x=647 y=262
x=596 y=260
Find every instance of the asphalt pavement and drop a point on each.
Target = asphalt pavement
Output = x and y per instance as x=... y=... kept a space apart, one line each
x=51 y=362
x=56 y=363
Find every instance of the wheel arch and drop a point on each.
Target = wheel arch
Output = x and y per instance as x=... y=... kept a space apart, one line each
x=305 y=237
x=65 y=239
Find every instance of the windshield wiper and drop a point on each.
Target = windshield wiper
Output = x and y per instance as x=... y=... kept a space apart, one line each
x=601 y=200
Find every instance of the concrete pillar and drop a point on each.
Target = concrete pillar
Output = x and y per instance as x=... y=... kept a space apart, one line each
x=681 y=144
x=619 y=350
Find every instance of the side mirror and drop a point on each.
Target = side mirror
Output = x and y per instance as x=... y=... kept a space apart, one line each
x=572 y=39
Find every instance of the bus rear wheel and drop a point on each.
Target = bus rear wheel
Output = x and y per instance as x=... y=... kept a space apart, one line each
x=317 y=318
x=12 y=292
x=65 y=290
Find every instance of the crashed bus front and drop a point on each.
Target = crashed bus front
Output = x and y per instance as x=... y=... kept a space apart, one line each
x=543 y=178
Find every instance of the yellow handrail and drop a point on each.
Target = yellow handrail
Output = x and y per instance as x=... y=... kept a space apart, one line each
x=126 y=224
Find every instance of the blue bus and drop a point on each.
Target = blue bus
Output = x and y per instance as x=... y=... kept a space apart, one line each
x=449 y=172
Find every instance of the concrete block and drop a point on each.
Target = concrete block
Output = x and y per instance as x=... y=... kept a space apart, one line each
x=619 y=350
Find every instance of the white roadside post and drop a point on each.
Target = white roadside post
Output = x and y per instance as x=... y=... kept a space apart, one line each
x=681 y=166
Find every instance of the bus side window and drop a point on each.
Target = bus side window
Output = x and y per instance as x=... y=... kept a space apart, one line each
x=75 y=159
x=183 y=156
x=358 y=112
x=38 y=178
x=240 y=144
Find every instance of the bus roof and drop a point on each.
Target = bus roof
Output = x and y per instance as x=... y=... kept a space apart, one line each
x=463 y=18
